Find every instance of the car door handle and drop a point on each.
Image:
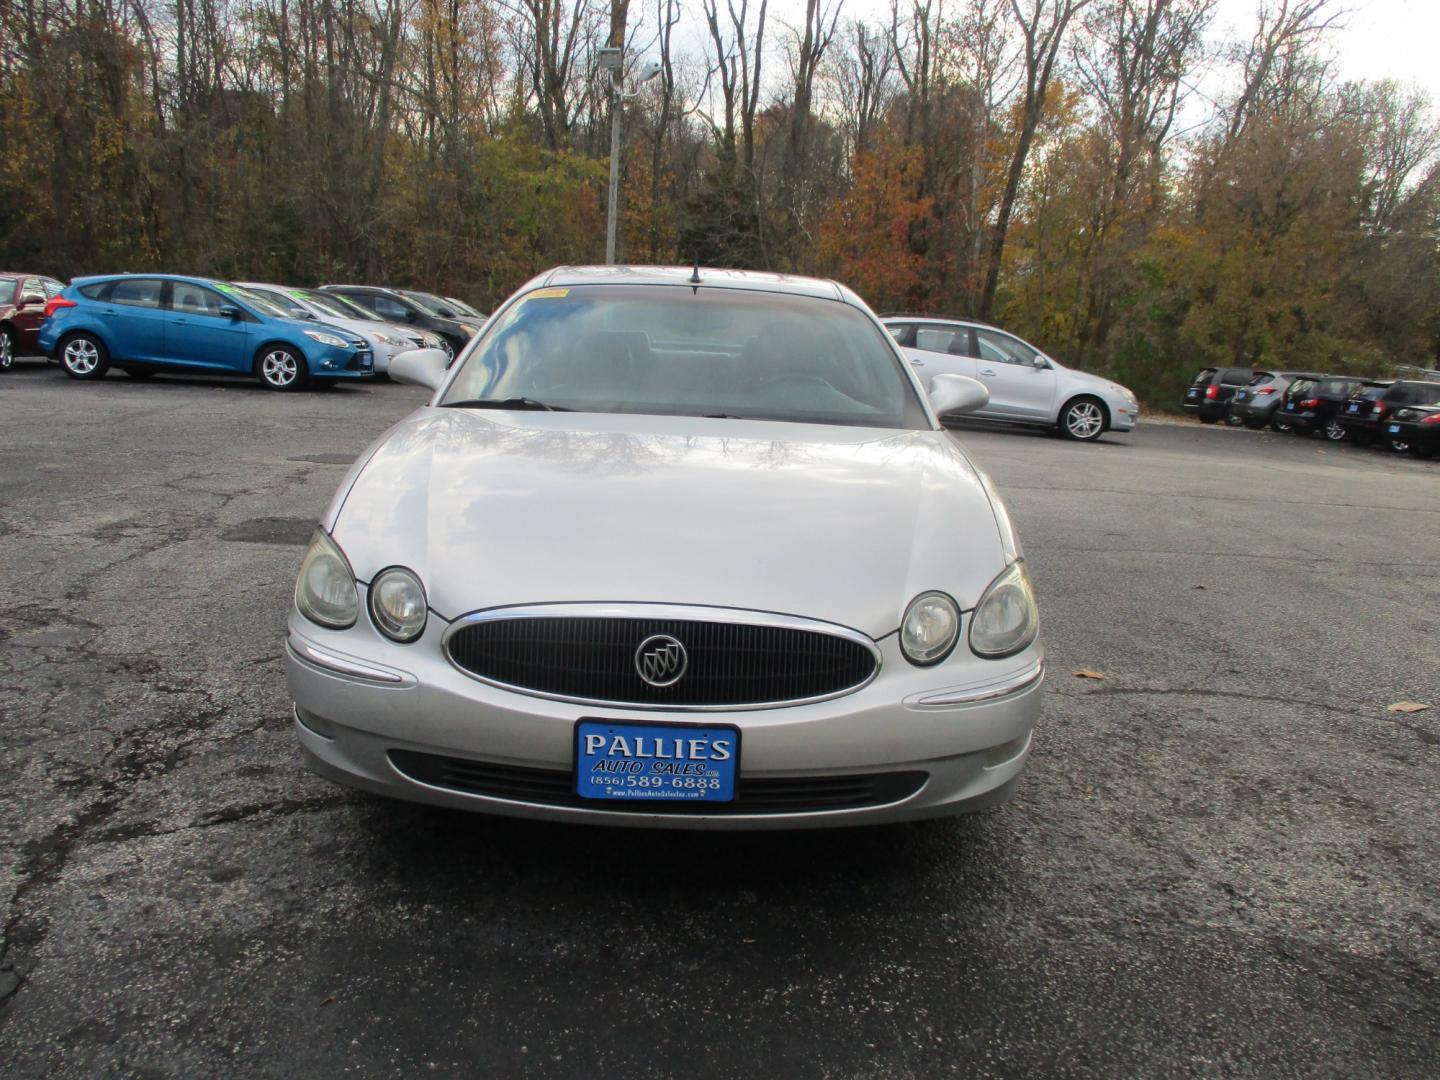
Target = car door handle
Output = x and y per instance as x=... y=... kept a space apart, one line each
x=108 y=311
x=917 y=363
x=988 y=371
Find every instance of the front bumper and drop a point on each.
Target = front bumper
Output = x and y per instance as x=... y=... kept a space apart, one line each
x=331 y=363
x=1209 y=408
x=362 y=704
x=1255 y=410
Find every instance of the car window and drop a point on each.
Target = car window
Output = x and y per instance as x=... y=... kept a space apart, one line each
x=1425 y=394
x=955 y=341
x=7 y=290
x=95 y=291
x=1300 y=387
x=187 y=299
x=1262 y=377
x=52 y=287
x=31 y=289
x=1204 y=377
x=903 y=333
x=136 y=292
x=1335 y=387
x=1236 y=376
x=1004 y=349
x=386 y=307
x=274 y=302
x=429 y=304
x=679 y=351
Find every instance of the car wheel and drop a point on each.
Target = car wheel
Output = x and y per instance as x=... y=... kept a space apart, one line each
x=7 y=349
x=1334 y=431
x=1276 y=424
x=1083 y=420
x=1255 y=425
x=84 y=357
x=281 y=368
x=1399 y=446
x=1233 y=421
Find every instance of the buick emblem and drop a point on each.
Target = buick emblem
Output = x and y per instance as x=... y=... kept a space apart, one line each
x=661 y=660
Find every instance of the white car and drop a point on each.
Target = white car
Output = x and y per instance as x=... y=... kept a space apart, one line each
x=674 y=548
x=387 y=340
x=1026 y=386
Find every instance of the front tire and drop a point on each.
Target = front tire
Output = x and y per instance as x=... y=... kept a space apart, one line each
x=83 y=356
x=279 y=367
x=1083 y=420
x=7 y=349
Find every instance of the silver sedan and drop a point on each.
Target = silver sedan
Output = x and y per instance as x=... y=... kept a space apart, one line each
x=671 y=548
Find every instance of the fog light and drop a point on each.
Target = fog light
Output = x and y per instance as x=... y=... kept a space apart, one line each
x=319 y=725
x=1006 y=751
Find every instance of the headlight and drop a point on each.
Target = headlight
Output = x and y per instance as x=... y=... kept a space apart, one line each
x=397 y=604
x=929 y=629
x=325 y=590
x=469 y=330
x=1006 y=619
x=327 y=339
x=386 y=339
x=433 y=341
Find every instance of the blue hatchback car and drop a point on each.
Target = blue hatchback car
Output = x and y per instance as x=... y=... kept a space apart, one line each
x=146 y=323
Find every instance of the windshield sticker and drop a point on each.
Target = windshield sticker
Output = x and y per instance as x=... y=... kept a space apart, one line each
x=548 y=294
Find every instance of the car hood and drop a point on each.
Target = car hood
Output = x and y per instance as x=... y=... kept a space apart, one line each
x=842 y=524
x=1096 y=383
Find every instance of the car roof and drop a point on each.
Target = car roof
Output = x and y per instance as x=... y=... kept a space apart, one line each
x=911 y=316
x=760 y=280
x=191 y=278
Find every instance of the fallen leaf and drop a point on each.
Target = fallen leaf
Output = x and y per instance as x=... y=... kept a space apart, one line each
x=1408 y=706
x=1201 y=587
x=1086 y=673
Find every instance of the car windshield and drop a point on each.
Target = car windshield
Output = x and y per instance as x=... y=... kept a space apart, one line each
x=272 y=302
x=430 y=305
x=674 y=350
x=7 y=291
x=464 y=309
x=1335 y=387
x=331 y=304
x=259 y=301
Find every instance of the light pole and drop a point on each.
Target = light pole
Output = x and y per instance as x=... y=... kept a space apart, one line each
x=612 y=62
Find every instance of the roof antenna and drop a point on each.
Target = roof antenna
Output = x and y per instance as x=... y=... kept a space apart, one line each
x=695 y=274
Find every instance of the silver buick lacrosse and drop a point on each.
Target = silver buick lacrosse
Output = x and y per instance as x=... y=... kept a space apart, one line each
x=671 y=548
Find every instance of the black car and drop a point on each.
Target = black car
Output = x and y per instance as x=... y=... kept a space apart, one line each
x=1415 y=428
x=1209 y=393
x=1313 y=406
x=414 y=308
x=1255 y=403
x=1364 y=411
x=1372 y=416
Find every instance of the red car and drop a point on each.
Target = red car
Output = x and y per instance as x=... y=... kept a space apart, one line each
x=22 y=310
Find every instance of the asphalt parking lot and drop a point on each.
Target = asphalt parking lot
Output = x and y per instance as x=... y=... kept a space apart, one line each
x=1223 y=860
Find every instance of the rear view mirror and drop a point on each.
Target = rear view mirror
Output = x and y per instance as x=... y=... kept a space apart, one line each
x=420 y=367
x=32 y=300
x=957 y=394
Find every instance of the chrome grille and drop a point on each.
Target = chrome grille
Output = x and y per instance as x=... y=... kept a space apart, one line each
x=591 y=658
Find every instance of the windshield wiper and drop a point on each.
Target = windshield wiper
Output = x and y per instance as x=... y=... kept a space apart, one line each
x=721 y=416
x=506 y=403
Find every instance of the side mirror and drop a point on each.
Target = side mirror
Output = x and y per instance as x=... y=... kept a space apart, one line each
x=957 y=394
x=32 y=300
x=229 y=311
x=420 y=367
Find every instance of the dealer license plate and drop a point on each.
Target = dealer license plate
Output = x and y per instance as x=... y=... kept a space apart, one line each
x=1354 y=407
x=650 y=762
x=1291 y=406
x=1394 y=429
x=1193 y=393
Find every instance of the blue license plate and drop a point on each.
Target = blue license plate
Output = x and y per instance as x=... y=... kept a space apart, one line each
x=1193 y=393
x=1394 y=429
x=1291 y=406
x=1354 y=406
x=650 y=762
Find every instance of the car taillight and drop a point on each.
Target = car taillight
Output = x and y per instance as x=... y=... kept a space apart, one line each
x=1310 y=403
x=56 y=303
x=1379 y=408
x=1433 y=418
x=1212 y=393
x=1264 y=391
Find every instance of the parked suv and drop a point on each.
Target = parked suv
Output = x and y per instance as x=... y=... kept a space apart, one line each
x=22 y=309
x=1381 y=413
x=1254 y=404
x=1209 y=393
x=1026 y=386
x=1365 y=410
x=144 y=323
x=409 y=308
x=1313 y=405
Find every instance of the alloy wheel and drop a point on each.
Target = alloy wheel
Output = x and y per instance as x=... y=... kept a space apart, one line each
x=279 y=368
x=7 y=350
x=81 y=356
x=1084 y=420
x=1334 y=431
